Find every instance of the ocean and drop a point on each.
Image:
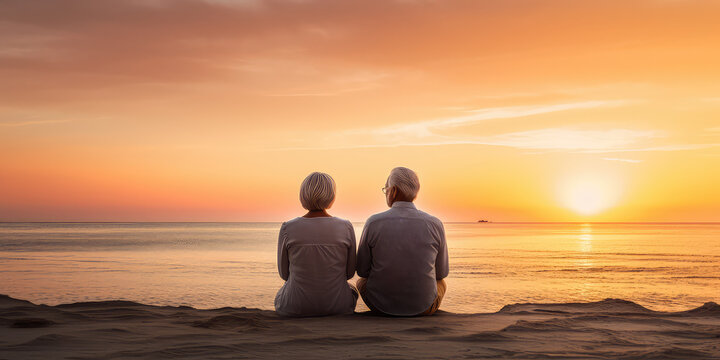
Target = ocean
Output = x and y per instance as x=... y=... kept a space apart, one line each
x=662 y=266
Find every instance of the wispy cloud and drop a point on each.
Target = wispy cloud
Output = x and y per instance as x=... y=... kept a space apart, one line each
x=552 y=139
x=443 y=132
x=31 y=122
x=633 y=161
x=572 y=139
x=435 y=132
x=337 y=92
x=425 y=129
x=337 y=85
x=541 y=139
x=672 y=147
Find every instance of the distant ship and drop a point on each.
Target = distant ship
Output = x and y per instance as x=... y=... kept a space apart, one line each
x=483 y=221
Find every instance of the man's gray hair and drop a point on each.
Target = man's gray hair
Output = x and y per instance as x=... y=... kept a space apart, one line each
x=405 y=181
x=317 y=191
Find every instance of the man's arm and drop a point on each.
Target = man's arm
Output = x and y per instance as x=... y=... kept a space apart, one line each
x=282 y=255
x=351 y=257
x=364 y=256
x=441 y=262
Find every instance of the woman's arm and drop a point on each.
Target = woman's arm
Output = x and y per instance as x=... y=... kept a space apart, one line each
x=282 y=254
x=351 y=257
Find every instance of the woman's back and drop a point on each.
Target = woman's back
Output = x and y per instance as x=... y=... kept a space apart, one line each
x=316 y=256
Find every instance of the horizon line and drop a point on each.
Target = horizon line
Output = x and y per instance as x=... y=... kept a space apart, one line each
x=281 y=221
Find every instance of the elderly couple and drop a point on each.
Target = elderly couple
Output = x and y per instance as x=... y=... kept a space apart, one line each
x=402 y=258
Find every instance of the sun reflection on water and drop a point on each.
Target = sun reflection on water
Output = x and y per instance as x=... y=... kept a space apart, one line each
x=585 y=238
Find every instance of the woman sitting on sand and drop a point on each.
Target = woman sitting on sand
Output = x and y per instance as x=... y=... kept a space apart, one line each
x=316 y=256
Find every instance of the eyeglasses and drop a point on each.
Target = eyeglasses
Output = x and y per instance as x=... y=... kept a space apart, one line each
x=384 y=189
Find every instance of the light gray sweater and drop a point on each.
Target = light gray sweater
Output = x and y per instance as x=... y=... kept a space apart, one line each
x=316 y=257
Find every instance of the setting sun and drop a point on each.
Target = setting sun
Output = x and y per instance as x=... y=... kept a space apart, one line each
x=589 y=194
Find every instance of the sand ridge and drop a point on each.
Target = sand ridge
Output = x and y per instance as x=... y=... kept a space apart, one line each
x=608 y=329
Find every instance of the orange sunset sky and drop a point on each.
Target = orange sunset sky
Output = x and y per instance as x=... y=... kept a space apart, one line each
x=215 y=110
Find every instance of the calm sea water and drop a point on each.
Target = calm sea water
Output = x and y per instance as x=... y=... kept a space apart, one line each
x=207 y=265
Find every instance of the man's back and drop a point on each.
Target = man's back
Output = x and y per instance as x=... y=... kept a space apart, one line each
x=403 y=253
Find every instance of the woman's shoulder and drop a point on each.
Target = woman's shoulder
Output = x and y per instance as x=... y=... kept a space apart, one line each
x=291 y=221
x=331 y=221
x=343 y=222
x=321 y=218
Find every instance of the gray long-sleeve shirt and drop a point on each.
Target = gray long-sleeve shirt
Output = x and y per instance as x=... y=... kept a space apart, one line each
x=403 y=253
x=316 y=257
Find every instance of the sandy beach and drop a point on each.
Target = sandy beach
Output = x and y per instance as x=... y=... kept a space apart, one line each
x=609 y=329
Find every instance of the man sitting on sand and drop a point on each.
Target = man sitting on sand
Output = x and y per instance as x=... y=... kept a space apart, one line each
x=402 y=258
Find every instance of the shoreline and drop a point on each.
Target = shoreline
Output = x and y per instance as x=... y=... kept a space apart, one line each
x=611 y=328
x=362 y=221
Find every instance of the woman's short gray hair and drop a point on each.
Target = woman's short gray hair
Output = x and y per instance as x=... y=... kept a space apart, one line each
x=317 y=191
x=405 y=181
